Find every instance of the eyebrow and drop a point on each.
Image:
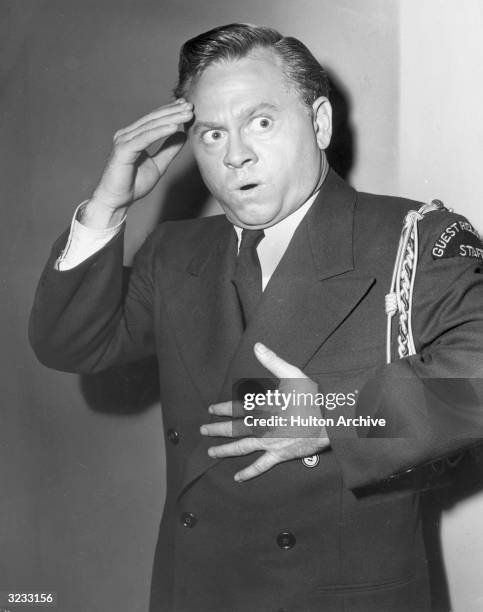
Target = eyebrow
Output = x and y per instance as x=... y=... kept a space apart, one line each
x=246 y=113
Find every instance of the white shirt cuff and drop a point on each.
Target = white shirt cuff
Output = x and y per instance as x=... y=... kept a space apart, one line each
x=84 y=241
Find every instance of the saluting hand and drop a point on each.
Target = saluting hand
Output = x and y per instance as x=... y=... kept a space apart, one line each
x=131 y=173
x=291 y=444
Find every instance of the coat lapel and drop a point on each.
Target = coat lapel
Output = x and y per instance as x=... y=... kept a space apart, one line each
x=205 y=314
x=311 y=292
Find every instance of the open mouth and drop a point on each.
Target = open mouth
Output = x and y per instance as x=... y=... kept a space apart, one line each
x=248 y=186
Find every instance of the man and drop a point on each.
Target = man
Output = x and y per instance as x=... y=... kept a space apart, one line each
x=326 y=519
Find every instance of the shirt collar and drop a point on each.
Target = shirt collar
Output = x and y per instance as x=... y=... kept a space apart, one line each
x=284 y=229
x=281 y=233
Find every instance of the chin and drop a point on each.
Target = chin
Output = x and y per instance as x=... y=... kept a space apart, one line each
x=258 y=217
x=255 y=221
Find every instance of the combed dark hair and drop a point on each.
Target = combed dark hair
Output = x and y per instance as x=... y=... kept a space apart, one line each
x=236 y=40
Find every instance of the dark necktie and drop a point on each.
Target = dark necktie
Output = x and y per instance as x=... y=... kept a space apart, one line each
x=248 y=273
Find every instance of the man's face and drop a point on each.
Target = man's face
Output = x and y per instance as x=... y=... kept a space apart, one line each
x=254 y=140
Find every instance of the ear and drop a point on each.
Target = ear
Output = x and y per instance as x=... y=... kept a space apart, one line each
x=322 y=120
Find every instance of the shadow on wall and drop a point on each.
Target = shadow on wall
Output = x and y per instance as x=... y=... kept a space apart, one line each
x=342 y=151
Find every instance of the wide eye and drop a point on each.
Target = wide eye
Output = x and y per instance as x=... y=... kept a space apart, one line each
x=261 y=124
x=212 y=136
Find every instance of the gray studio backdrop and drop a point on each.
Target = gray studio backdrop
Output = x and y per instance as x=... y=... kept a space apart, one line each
x=82 y=461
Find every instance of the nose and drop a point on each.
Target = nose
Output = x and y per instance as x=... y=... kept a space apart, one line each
x=239 y=152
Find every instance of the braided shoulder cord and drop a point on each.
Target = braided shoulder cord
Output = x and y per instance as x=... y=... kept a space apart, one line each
x=400 y=296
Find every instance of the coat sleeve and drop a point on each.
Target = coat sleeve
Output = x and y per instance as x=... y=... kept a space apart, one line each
x=431 y=402
x=88 y=318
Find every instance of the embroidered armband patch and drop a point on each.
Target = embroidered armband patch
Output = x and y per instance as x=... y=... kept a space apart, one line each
x=459 y=239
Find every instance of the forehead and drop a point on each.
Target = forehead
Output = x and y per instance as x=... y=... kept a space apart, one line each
x=255 y=78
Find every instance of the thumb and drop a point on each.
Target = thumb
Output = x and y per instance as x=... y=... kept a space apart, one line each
x=275 y=364
x=168 y=151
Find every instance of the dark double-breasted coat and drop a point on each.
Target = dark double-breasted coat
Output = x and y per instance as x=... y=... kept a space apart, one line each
x=329 y=534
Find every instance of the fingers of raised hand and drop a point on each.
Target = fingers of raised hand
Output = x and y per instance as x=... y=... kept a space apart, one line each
x=152 y=127
x=169 y=113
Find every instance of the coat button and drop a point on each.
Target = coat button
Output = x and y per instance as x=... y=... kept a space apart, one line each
x=188 y=520
x=173 y=436
x=311 y=462
x=286 y=540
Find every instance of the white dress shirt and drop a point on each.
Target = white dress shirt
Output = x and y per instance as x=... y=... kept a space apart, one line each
x=272 y=247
